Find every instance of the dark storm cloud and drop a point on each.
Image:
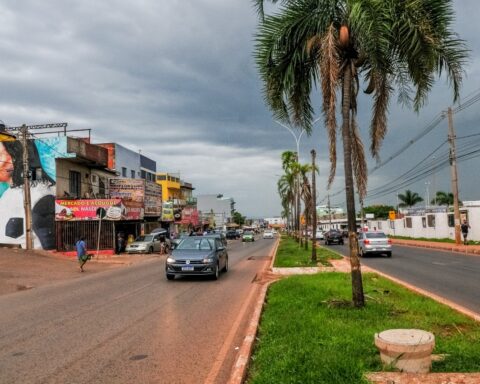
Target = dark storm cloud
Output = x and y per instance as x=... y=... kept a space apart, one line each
x=176 y=79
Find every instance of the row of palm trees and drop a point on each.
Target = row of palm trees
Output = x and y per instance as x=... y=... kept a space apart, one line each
x=398 y=44
x=294 y=187
x=409 y=198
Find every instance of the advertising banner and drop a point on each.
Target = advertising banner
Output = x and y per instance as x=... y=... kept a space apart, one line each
x=167 y=211
x=86 y=209
x=127 y=189
x=153 y=199
x=189 y=216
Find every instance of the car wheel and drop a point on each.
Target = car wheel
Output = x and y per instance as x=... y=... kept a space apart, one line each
x=216 y=274
x=326 y=242
x=225 y=268
x=150 y=250
x=170 y=276
x=389 y=254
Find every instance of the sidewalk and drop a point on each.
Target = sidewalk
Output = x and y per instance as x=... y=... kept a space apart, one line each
x=451 y=247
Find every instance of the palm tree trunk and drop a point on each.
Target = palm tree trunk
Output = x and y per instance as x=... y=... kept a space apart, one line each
x=306 y=231
x=357 y=285
x=314 y=209
x=299 y=232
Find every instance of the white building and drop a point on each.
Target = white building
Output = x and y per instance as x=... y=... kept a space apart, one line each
x=434 y=223
x=217 y=207
x=276 y=221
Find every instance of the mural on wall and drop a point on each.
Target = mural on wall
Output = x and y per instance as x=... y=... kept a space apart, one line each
x=42 y=154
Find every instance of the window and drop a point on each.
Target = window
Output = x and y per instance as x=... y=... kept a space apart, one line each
x=74 y=183
x=124 y=172
x=143 y=174
x=408 y=222
x=431 y=220
x=161 y=177
x=424 y=222
x=132 y=173
x=451 y=220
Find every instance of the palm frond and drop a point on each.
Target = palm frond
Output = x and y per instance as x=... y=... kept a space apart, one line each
x=358 y=159
x=378 y=127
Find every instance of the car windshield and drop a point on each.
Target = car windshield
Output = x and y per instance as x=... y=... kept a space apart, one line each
x=375 y=235
x=144 y=238
x=190 y=243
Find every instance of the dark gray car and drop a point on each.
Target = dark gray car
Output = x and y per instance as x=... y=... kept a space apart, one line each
x=197 y=255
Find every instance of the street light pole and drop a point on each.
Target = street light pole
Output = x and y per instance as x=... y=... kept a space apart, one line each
x=297 y=141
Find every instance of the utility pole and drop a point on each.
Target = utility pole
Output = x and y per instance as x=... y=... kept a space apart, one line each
x=427 y=186
x=314 y=207
x=453 y=171
x=329 y=210
x=27 y=202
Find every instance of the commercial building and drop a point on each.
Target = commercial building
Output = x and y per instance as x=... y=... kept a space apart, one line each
x=216 y=209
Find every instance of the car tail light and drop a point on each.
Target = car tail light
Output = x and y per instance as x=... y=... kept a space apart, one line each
x=389 y=241
x=366 y=241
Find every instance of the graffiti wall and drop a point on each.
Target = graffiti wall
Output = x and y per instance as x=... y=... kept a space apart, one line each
x=42 y=154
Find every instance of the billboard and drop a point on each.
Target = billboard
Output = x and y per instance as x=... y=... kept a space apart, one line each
x=86 y=209
x=167 y=211
x=138 y=190
x=127 y=189
x=153 y=199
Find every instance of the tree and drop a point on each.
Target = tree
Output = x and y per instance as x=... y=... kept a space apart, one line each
x=409 y=199
x=444 y=198
x=238 y=218
x=380 y=211
x=306 y=195
x=334 y=42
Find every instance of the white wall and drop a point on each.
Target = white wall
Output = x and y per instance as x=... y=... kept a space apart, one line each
x=421 y=228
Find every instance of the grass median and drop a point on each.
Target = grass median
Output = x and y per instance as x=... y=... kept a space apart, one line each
x=290 y=254
x=309 y=333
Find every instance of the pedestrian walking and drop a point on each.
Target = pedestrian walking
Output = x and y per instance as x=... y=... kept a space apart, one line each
x=120 y=242
x=82 y=255
x=465 y=227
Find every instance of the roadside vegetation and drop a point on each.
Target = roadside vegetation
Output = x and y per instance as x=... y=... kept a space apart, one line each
x=291 y=254
x=311 y=333
x=442 y=240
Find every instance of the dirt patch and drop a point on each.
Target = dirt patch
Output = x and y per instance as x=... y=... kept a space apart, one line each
x=22 y=270
x=426 y=378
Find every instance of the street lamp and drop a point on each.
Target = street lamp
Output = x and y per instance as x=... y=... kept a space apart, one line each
x=297 y=138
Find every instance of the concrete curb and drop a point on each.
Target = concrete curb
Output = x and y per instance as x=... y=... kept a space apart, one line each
x=240 y=367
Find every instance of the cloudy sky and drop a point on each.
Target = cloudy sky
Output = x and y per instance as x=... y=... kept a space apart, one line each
x=176 y=80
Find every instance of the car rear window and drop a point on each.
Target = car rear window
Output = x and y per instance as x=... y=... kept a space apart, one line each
x=376 y=235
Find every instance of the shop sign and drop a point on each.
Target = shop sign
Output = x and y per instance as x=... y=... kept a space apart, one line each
x=86 y=209
x=189 y=216
x=167 y=211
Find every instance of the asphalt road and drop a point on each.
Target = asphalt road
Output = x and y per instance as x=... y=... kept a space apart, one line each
x=130 y=325
x=451 y=275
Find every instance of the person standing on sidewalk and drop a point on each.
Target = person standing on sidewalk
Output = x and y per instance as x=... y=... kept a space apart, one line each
x=465 y=227
x=82 y=252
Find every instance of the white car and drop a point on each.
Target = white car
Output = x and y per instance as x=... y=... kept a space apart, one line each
x=319 y=235
x=268 y=235
x=374 y=243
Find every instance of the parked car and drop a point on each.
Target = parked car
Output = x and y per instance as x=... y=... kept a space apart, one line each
x=333 y=236
x=232 y=234
x=268 y=235
x=374 y=242
x=145 y=244
x=248 y=236
x=197 y=255
x=319 y=235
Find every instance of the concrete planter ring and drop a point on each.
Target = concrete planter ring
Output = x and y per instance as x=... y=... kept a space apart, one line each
x=409 y=350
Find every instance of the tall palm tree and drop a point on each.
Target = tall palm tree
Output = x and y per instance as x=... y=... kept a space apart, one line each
x=443 y=198
x=409 y=198
x=334 y=42
x=286 y=190
x=306 y=195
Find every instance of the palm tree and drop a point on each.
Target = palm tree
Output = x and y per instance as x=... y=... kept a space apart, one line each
x=306 y=195
x=286 y=190
x=444 y=198
x=409 y=199
x=334 y=42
